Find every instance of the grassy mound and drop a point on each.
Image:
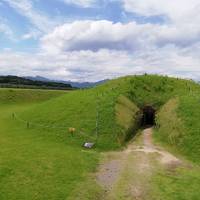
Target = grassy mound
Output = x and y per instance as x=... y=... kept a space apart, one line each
x=93 y=112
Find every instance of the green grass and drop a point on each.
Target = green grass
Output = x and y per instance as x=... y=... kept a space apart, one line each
x=178 y=125
x=170 y=125
x=33 y=165
x=182 y=184
x=127 y=117
x=189 y=111
x=44 y=161
x=24 y=96
x=178 y=129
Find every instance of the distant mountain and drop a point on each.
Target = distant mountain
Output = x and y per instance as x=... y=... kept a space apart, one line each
x=84 y=84
x=20 y=82
x=38 y=78
x=73 y=84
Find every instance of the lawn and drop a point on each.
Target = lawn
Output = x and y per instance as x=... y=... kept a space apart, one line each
x=32 y=164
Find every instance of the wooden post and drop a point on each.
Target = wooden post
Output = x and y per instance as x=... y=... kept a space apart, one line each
x=97 y=118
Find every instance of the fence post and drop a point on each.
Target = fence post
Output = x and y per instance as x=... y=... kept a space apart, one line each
x=97 y=118
x=97 y=115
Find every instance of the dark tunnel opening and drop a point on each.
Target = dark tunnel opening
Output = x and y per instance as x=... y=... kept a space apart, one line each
x=145 y=118
x=148 y=116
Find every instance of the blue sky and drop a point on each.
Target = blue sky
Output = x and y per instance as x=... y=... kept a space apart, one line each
x=57 y=11
x=89 y=40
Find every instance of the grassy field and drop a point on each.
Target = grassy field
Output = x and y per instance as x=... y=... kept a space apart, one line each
x=44 y=161
x=34 y=165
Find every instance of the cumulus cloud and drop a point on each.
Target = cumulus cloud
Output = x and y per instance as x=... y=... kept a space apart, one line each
x=182 y=14
x=96 y=35
x=92 y=66
x=182 y=17
x=94 y=50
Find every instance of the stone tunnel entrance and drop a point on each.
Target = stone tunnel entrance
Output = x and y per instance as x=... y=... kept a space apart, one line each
x=148 y=116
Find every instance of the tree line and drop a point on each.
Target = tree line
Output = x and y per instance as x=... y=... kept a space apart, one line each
x=19 y=82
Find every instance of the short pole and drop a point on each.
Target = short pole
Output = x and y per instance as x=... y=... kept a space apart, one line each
x=97 y=117
x=28 y=125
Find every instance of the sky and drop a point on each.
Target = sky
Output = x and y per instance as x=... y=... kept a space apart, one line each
x=91 y=40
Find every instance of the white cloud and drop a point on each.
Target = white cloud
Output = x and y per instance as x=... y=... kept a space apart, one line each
x=182 y=19
x=95 y=35
x=6 y=30
x=81 y=3
x=91 y=66
x=94 y=50
x=32 y=34
x=25 y=8
x=178 y=11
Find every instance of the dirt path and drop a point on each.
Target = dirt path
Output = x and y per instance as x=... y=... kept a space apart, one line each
x=165 y=157
x=125 y=175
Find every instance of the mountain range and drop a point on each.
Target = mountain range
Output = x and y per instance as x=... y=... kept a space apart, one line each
x=73 y=84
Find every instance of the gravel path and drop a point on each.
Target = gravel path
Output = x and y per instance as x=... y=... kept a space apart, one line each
x=125 y=174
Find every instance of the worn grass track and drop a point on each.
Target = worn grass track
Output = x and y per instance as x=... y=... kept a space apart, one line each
x=144 y=171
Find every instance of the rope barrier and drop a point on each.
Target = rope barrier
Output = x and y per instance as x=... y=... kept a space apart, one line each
x=95 y=120
x=28 y=123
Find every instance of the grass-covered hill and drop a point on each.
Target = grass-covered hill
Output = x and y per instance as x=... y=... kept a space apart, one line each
x=40 y=159
x=79 y=109
x=110 y=105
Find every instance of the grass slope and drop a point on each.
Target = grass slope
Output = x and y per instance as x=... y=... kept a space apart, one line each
x=126 y=116
x=170 y=124
x=178 y=122
x=178 y=128
x=32 y=165
x=25 y=96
